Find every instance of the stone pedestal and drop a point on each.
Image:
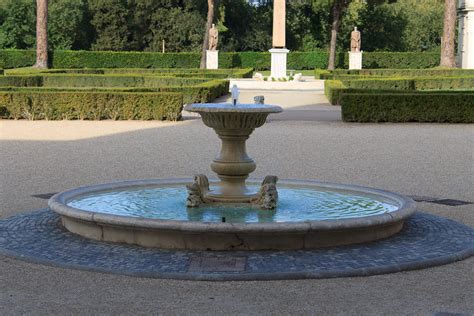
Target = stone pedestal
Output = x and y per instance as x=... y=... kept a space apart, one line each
x=279 y=57
x=466 y=34
x=212 y=59
x=355 y=60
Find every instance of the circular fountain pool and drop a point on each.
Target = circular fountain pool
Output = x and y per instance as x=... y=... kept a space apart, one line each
x=310 y=214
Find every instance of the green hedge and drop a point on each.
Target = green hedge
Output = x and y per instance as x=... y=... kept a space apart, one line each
x=194 y=91
x=444 y=83
x=79 y=80
x=355 y=74
x=201 y=93
x=335 y=88
x=176 y=72
x=15 y=58
x=21 y=81
x=409 y=107
x=257 y=60
x=385 y=83
x=90 y=105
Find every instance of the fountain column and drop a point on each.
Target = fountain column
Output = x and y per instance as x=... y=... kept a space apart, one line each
x=279 y=52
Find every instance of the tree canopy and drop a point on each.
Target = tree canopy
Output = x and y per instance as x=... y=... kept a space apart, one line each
x=142 y=25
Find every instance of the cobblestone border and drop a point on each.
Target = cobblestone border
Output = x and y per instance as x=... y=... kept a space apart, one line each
x=426 y=241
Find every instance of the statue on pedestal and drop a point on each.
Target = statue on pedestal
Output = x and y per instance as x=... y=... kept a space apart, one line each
x=213 y=37
x=355 y=41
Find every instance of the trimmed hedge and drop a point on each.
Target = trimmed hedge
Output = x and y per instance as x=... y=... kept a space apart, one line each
x=193 y=90
x=90 y=105
x=257 y=60
x=335 y=88
x=72 y=80
x=176 y=72
x=201 y=93
x=355 y=74
x=16 y=58
x=444 y=83
x=438 y=107
x=21 y=81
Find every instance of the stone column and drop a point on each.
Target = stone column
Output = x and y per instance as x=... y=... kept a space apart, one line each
x=212 y=59
x=466 y=34
x=355 y=60
x=279 y=52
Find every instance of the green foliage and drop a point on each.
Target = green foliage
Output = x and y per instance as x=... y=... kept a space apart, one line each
x=141 y=25
x=201 y=93
x=13 y=58
x=87 y=59
x=409 y=107
x=333 y=90
x=429 y=95
x=398 y=72
x=424 y=23
x=68 y=24
x=80 y=80
x=17 y=29
x=21 y=81
x=110 y=18
x=256 y=60
x=404 y=60
x=88 y=105
x=140 y=93
x=178 y=28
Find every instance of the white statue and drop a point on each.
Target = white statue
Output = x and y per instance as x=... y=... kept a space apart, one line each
x=213 y=37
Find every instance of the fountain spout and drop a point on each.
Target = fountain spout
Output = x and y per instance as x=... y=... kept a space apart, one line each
x=235 y=94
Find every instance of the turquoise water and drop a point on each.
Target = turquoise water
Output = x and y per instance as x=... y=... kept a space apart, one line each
x=295 y=205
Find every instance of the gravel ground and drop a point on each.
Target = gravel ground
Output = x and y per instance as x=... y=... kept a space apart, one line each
x=416 y=159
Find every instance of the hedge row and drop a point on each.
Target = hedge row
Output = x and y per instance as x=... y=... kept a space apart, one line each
x=257 y=60
x=73 y=80
x=409 y=107
x=87 y=105
x=193 y=90
x=176 y=72
x=335 y=88
x=354 y=74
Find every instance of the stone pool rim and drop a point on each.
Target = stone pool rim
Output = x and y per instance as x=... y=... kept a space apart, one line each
x=169 y=234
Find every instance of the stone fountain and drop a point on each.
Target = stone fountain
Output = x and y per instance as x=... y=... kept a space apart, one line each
x=232 y=213
x=233 y=124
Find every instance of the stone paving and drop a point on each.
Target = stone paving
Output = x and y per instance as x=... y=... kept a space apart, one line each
x=425 y=241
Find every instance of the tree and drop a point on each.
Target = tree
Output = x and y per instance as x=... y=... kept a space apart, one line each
x=17 y=28
x=111 y=20
x=448 y=58
x=205 y=42
x=68 y=27
x=338 y=8
x=41 y=34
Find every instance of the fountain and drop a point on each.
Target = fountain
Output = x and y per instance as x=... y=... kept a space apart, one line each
x=232 y=213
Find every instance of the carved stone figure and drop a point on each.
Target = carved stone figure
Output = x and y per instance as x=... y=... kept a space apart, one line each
x=268 y=195
x=355 y=41
x=213 y=37
x=259 y=99
x=197 y=190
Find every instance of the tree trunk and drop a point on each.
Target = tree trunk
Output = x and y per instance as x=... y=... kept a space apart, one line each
x=448 y=51
x=41 y=34
x=338 y=8
x=205 y=43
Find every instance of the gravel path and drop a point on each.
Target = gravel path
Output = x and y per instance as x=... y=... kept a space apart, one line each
x=430 y=160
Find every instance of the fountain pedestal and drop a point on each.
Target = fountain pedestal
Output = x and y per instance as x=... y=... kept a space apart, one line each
x=233 y=124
